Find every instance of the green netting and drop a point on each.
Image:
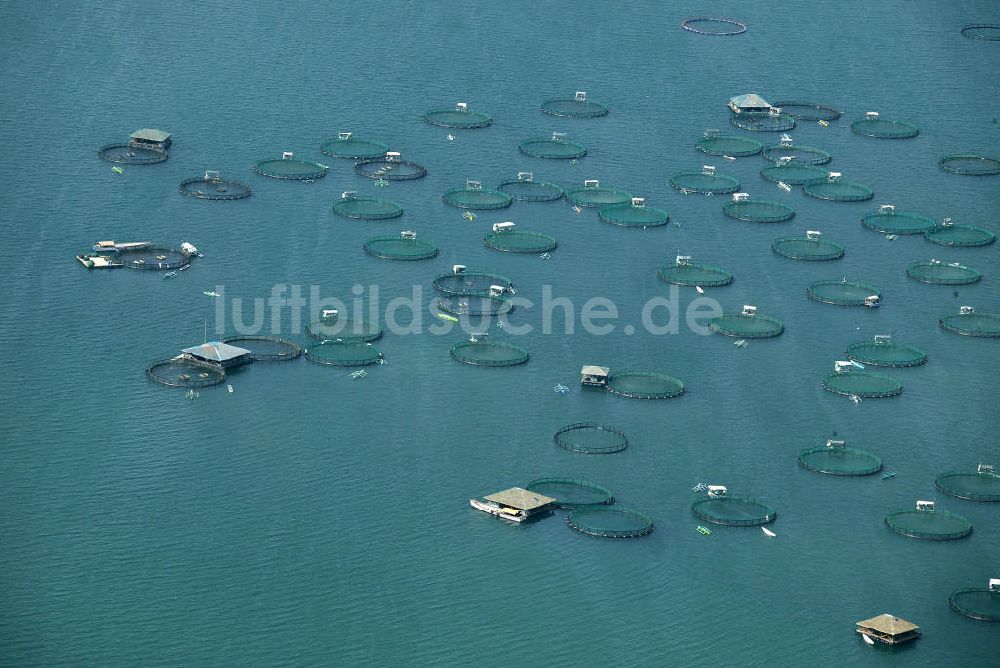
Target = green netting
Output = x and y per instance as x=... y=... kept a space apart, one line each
x=591 y=438
x=212 y=187
x=797 y=155
x=970 y=323
x=129 y=154
x=610 y=522
x=795 y=174
x=350 y=205
x=520 y=241
x=489 y=353
x=686 y=273
x=572 y=493
x=758 y=211
x=470 y=283
x=762 y=121
x=525 y=188
x=942 y=273
x=593 y=194
x=959 y=235
x=929 y=524
x=345 y=145
x=343 y=353
x=577 y=106
x=863 y=384
x=644 y=385
x=154 y=258
x=473 y=196
x=705 y=181
x=983 y=604
x=290 y=168
x=973 y=486
x=839 y=461
x=267 y=348
x=808 y=247
x=842 y=293
x=882 y=351
x=838 y=191
x=983 y=31
x=971 y=165
x=746 y=326
x=401 y=247
x=732 y=145
x=633 y=214
x=884 y=128
x=807 y=111
x=555 y=148
x=706 y=25
x=460 y=117
x=338 y=328
x=734 y=511
x=185 y=372
x=390 y=168
x=890 y=221
x=474 y=305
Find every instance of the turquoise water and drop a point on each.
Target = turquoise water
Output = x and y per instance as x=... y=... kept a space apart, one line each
x=308 y=519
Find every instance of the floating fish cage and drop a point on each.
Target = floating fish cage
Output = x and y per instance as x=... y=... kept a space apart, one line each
x=982 y=604
x=185 y=372
x=793 y=173
x=837 y=190
x=478 y=352
x=862 y=384
x=983 y=485
x=130 y=154
x=346 y=145
x=644 y=385
x=336 y=328
x=835 y=458
x=842 y=293
x=389 y=167
x=472 y=305
x=525 y=188
x=473 y=196
x=459 y=117
x=757 y=210
x=706 y=181
x=889 y=221
x=748 y=324
x=983 y=31
x=343 y=353
x=212 y=186
x=593 y=194
x=786 y=152
x=290 y=168
x=350 y=205
x=812 y=246
x=405 y=246
x=970 y=323
x=520 y=241
x=943 y=273
x=571 y=493
x=154 y=258
x=610 y=522
x=734 y=146
x=883 y=351
x=733 y=511
x=578 y=106
x=590 y=438
x=556 y=147
x=873 y=125
x=928 y=524
x=266 y=348
x=970 y=165
x=763 y=121
x=634 y=214
x=948 y=234
x=684 y=272
x=477 y=283
x=807 y=111
x=706 y=25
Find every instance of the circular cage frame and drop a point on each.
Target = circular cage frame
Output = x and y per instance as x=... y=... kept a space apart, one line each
x=984 y=165
x=812 y=249
x=575 y=521
x=821 y=157
x=543 y=242
x=867 y=352
x=736 y=27
x=726 y=324
x=607 y=496
x=561 y=438
x=892 y=520
x=475 y=119
x=872 y=222
x=574 y=150
x=315 y=171
x=373 y=356
x=225 y=189
x=458 y=352
x=769 y=513
x=879 y=128
x=675 y=385
x=818 y=296
x=421 y=249
x=575 y=108
x=112 y=153
x=441 y=283
x=992 y=33
x=973 y=236
x=762 y=121
x=488 y=306
x=673 y=273
x=466 y=198
x=985 y=325
x=587 y=196
x=794 y=173
x=968 y=592
x=741 y=211
x=820 y=112
x=380 y=209
x=544 y=191
x=167 y=259
x=873 y=463
x=214 y=375
x=941 y=483
x=890 y=386
x=619 y=215
x=375 y=149
x=383 y=168
x=700 y=182
x=925 y=273
x=708 y=144
x=347 y=333
x=292 y=350
x=838 y=191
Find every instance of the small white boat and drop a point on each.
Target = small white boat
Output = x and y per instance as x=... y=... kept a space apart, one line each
x=509 y=514
x=742 y=343
x=728 y=157
x=856 y=399
x=211 y=293
x=577 y=209
x=784 y=186
x=230 y=388
x=857 y=364
x=544 y=256
x=699 y=289
x=867 y=639
x=184 y=268
x=823 y=123
x=451 y=137
x=360 y=373
x=768 y=532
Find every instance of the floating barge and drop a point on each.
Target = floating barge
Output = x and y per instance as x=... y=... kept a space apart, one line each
x=514 y=504
x=888 y=629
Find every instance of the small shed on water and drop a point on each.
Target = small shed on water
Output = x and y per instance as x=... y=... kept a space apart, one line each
x=888 y=629
x=749 y=102
x=527 y=502
x=220 y=354
x=150 y=138
x=594 y=376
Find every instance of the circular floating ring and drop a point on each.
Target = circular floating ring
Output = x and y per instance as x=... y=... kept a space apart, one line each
x=477 y=198
x=525 y=189
x=552 y=149
x=704 y=275
x=597 y=196
x=590 y=438
x=154 y=258
x=884 y=128
x=337 y=330
x=929 y=524
x=942 y=273
x=645 y=385
x=759 y=211
x=366 y=208
x=839 y=461
x=610 y=522
x=842 y=293
x=984 y=31
x=732 y=145
x=959 y=235
x=898 y=222
x=972 y=486
x=630 y=214
x=734 y=511
x=489 y=353
x=798 y=155
x=474 y=305
x=400 y=248
x=886 y=353
x=702 y=182
x=813 y=248
x=184 y=372
x=127 y=154
x=971 y=165
x=267 y=348
x=744 y=326
x=573 y=107
x=213 y=188
x=343 y=353
x=346 y=146
x=863 y=384
x=572 y=493
x=462 y=119
x=762 y=121
x=389 y=169
x=475 y=283
x=972 y=324
x=520 y=241
x=705 y=25
x=982 y=604
x=796 y=174
x=838 y=191
x=808 y=111
x=291 y=169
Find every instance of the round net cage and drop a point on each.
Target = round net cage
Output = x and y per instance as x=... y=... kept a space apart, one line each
x=340 y=329
x=555 y=148
x=959 y=235
x=796 y=174
x=593 y=194
x=807 y=111
x=389 y=168
x=525 y=188
x=705 y=181
x=862 y=384
x=290 y=168
x=155 y=258
x=884 y=128
x=183 y=372
x=470 y=283
x=982 y=31
x=129 y=154
x=762 y=121
x=971 y=165
x=981 y=486
x=811 y=246
x=520 y=241
x=970 y=323
x=839 y=460
x=842 y=293
x=350 y=205
x=883 y=351
x=343 y=353
x=747 y=325
x=474 y=196
x=212 y=186
x=474 y=305
x=890 y=221
x=633 y=214
x=734 y=511
x=835 y=190
x=684 y=272
x=943 y=273
x=786 y=152
x=732 y=145
x=402 y=247
x=489 y=353
x=610 y=522
x=758 y=211
x=460 y=117
x=578 y=106
x=706 y=25
x=572 y=493
x=645 y=385
x=346 y=145
x=929 y=524
x=267 y=348
x=591 y=438
x=982 y=604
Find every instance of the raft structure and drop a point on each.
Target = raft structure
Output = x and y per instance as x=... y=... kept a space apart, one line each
x=474 y=197
x=969 y=322
x=594 y=377
x=472 y=283
x=578 y=106
x=524 y=188
x=706 y=181
x=790 y=153
x=603 y=521
x=570 y=493
x=812 y=247
x=719 y=507
x=888 y=630
x=343 y=353
x=850 y=381
x=970 y=164
x=747 y=324
x=835 y=458
x=983 y=484
x=644 y=385
x=515 y=504
x=978 y=603
x=199 y=366
x=685 y=272
x=808 y=111
x=845 y=293
x=883 y=351
x=508 y=238
x=459 y=117
x=390 y=167
x=139 y=255
x=144 y=147
x=332 y=326
x=927 y=522
x=771 y=120
x=714 y=142
x=787 y=171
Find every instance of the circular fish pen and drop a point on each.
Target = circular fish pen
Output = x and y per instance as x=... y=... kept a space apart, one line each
x=555 y=148
x=520 y=241
x=390 y=169
x=345 y=145
x=610 y=522
x=970 y=165
x=593 y=194
x=758 y=211
x=578 y=106
x=889 y=221
x=734 y=146
x=267 y=348
x=811 y=247
x=489 y=353
x=973 y=486
x=746 y=325
x=842 y=293
x=474 y=197
x=343 y=353
x=525 y=188
x=807 y=111
x=644 y=385
x=474 y=305
x=289 y=168
x=862 y=384
x=338 y=329
x=929 y=524
x=762 y=121
x=704 y=275
x=786 y=152
x=185 y=372
x=460 y=117
x=943 y=273
x=571 y=493
x=706 y=25
x=839 y=461
x=705 y=181
x=835 y=190
x=590 y=438
x=350 y=205
x=734 y=511
x=959 y=235
x=154 y=258
x=211 y=186
x=983 y=31
x=477 y=283
x=982 y=604
x=884 y=128
x=129 y=154
x=634 y=214
x=401 y=247
x=969 y=323
x=795 y=174
x=883 y=351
